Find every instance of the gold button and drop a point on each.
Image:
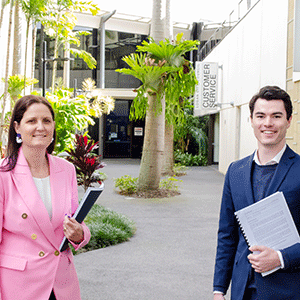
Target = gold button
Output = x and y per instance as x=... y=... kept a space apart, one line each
x=24 y=216
x=33 y=236
x=56 y=253
x=41 y=254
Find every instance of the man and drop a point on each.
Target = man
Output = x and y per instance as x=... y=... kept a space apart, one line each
x=272 y=167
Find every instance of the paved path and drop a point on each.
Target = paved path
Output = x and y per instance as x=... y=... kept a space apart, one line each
x=172 y=253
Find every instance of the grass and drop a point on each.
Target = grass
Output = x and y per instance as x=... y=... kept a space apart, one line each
x=107 y=228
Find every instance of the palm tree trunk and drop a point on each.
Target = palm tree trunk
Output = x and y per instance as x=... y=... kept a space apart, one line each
x=3 y=4
x=33 y=53
x=168 y=21
x=66 y=70
x=26 y=53
x=54 y=68
x=5 y=94
x=153 y=148
x=54 y=65
x=168 y=160
x=157 y=31
x=16 y=67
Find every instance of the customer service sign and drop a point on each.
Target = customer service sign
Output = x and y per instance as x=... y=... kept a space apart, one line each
x=206 y=94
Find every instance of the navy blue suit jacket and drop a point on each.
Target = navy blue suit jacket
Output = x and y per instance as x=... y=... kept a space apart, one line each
x=232 y=251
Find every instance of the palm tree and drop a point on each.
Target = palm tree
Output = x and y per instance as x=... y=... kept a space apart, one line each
x=166 y=75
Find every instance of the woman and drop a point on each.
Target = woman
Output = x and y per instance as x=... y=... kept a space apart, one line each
x=38 y=194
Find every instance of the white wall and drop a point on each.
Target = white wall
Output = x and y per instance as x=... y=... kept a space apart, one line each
x=253 y=55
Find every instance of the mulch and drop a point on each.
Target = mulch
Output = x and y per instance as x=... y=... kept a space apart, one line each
x=160 y=193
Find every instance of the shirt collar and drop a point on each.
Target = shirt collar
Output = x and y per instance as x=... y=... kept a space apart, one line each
x=273 y=161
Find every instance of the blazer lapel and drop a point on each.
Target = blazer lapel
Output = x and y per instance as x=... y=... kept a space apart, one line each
x=24 y=183
x=283 y=167
x=58 y=193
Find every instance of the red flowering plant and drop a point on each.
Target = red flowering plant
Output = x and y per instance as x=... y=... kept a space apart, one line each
x=86 y=162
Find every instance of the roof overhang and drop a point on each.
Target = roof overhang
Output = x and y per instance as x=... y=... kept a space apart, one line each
x=127 y=23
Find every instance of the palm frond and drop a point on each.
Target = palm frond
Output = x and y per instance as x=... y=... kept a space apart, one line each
x=87 y=57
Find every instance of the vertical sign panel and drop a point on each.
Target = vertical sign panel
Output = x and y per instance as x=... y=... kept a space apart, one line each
x=206 y=94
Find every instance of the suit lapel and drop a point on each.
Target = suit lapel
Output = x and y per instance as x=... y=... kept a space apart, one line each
x=25 y=185
x=248 y=181
x=282 y=169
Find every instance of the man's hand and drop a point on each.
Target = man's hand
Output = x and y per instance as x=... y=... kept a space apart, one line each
x=219 y=296
x=265 y=261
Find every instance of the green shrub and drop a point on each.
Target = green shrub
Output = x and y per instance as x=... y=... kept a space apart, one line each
x=188 y=159
x=191 y=134
x=179 y=169
x=107 y=228
x=71 y=114
x=169 y=183
x=126 y=184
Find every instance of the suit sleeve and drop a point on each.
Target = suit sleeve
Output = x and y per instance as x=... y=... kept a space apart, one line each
x=86 y=231
x=291 y=258
x=291 y=190
x=227 y=240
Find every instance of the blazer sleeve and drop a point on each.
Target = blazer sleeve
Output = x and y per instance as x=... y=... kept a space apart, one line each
x=227 y=240
x=2 y=196
x=74 y=205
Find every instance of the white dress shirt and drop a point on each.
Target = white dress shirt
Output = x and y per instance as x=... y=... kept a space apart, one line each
x=43 y=187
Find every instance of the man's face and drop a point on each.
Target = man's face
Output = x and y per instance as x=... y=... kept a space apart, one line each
x=269 y=122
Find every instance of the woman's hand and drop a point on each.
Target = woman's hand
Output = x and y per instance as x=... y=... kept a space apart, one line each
x=73 y=230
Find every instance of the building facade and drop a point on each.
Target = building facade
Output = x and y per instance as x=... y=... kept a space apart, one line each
x=252 y=49
x=293 y=71
x=118 y=136
x=253 y=54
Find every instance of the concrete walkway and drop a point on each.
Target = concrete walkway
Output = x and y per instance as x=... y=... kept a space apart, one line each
x=172 y=253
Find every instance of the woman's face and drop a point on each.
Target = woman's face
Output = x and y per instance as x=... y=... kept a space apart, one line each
x=36 y=127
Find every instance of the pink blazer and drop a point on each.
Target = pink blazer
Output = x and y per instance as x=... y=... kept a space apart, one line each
x=30 y=263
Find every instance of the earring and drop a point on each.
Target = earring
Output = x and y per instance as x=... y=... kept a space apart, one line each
x=52 y=140
x=18 y=138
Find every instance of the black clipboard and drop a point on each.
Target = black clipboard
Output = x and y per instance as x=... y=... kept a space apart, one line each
x=89 y=198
